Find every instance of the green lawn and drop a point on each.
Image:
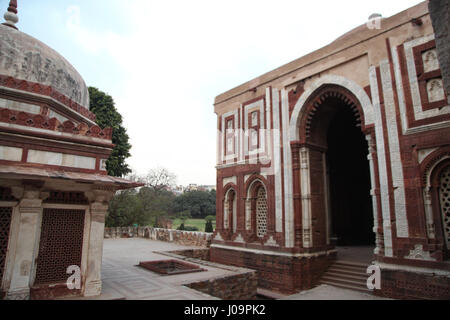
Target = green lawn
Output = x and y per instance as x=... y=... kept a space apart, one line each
x=199 y=223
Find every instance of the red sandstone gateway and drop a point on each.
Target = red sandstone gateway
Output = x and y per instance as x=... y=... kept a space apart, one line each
x=343 y=154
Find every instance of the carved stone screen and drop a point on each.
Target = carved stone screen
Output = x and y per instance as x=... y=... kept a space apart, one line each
x=5 y=224
x=444 y=189
x=261 y=213
x=60 y=245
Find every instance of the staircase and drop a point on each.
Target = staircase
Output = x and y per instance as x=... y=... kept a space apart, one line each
x=347 y=275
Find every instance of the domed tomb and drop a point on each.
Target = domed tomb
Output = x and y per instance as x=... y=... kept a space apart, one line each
x=26 y=58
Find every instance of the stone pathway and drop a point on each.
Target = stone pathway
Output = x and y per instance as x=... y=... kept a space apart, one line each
x=122 y=279
x=327 y=292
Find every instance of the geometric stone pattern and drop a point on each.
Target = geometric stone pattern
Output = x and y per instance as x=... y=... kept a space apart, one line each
x=444 y=194
x=60 y=245
x=5 y=223
x=261 y=213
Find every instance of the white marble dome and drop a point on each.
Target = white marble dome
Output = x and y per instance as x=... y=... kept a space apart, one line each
x=26 y=58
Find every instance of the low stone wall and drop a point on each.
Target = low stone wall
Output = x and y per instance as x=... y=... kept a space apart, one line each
x=124 y=232
x=236 y=287
x=187 y=238
x=201 y=254
x=284 y=274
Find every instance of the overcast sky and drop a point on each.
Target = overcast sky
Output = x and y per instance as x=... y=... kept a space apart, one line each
x=164 y=61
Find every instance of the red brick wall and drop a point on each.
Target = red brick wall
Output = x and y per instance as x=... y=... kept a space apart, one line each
x=279 y=273
x=408 y=285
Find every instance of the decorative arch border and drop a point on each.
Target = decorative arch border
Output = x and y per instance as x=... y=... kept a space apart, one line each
x=227 y=233
x=227 y=188
x=302 y=114
x=430 y=162
x=430 y=171
x=254 y=179
x=320 y=96
x=360 y=96
x=271 y=238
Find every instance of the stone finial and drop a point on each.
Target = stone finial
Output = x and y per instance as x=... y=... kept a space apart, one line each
x=10 y=16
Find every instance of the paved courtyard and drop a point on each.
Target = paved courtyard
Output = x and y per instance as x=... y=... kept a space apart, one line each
x=122 y=279
x=327 y=292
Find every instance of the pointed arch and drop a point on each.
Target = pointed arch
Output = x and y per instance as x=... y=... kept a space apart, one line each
x=230 y=208
x=367 y=111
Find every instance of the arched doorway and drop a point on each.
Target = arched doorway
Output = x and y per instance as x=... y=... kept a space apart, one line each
x=337 y=208
x=349 y=180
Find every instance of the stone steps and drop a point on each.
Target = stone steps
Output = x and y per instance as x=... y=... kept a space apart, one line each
x=348 y=275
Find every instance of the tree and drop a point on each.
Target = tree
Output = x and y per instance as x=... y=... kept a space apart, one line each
x=125 y=209
x=209 y=225
x=159 y=179
x=102 y=105
x=199 y=203
x=156 y=204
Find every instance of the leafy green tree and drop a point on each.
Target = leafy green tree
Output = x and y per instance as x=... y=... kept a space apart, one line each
x=156 y=198
x=199 y=203
x=156 y=204
x=209 y=226
x=102 y=105
x=125 y=209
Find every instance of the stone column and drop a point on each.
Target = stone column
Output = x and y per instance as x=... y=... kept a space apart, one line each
x=248 y=214
x=305 y=188
x=98 y=210
x=298 y=229
x=373 y=192
x=27 y=244
x=226 y=211
x=93 y=284
x=427 y=199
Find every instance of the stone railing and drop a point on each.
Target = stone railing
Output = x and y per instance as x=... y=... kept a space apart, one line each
x=187 y=238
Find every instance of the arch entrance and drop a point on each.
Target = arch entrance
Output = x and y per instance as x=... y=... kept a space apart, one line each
x=337 y=209
x=348 y=177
